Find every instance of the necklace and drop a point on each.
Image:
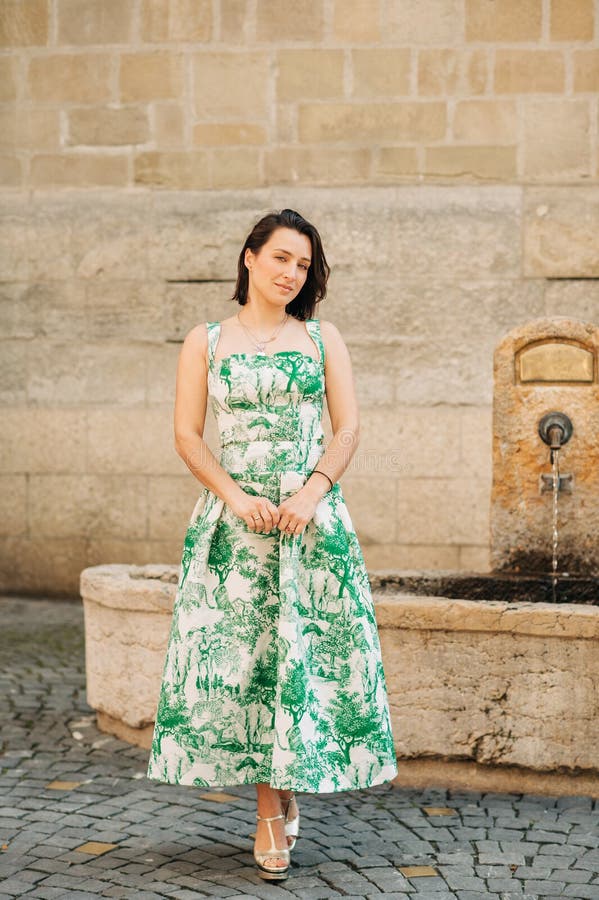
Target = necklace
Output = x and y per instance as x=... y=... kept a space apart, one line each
x=260 y=345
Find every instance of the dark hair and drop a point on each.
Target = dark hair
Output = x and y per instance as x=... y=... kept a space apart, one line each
x=315 y=286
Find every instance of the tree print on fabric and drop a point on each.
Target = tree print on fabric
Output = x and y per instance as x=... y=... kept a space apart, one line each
x=273 y=670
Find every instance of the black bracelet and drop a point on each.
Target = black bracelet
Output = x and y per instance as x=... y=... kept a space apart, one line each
x=325 y=475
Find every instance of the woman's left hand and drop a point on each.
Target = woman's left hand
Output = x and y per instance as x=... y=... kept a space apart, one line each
x=296 y=511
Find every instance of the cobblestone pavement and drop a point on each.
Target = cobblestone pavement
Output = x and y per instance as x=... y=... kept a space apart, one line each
x=184 y=842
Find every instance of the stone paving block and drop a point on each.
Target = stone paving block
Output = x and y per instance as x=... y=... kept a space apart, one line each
x=574 y=876
x=14 y=887
x=582 y=891
x=171 y=843
x=504 y=884
x=500 y=857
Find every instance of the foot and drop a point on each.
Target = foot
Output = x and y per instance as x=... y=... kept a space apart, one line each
x=291 y=812
x=263 y=840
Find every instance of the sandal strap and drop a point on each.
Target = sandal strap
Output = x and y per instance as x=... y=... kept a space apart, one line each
x=270 y=818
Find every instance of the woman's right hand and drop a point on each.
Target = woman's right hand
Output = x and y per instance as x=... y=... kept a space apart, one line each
x=258 y=513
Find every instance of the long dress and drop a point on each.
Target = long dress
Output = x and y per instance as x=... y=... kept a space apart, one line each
x=273 y=669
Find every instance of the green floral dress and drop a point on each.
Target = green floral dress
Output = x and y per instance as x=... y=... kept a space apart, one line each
x=273 y=669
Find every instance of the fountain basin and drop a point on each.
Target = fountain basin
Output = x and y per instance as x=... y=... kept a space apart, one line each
x=485 y=694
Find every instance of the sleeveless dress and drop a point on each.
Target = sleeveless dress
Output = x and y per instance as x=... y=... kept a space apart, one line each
x=273 y=669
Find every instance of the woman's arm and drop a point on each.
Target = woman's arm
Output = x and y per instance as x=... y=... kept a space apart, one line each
x=343 y=411
x=190 y=418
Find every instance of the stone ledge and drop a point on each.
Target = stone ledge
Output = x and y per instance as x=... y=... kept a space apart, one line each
x=403 y=610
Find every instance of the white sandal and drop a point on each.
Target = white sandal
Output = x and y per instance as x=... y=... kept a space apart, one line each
x=272 y=873
x=292 y=825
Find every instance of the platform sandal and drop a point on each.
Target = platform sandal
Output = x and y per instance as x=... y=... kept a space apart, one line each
x=291 y=825
x=272 y=873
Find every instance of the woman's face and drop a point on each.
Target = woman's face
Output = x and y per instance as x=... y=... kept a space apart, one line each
x=279 y=269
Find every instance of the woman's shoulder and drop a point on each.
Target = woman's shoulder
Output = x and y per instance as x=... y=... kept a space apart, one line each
x=329 y=331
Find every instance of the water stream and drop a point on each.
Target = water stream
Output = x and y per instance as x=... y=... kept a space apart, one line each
x=555 y=465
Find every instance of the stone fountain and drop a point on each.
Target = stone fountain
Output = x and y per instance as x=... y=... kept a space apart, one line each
x=493 y=677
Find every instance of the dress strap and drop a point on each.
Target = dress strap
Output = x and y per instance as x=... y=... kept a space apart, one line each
x=313 y=326
x=213 y=335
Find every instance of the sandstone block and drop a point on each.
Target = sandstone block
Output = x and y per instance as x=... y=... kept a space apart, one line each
x=316 y=165
x=30 y=128
x=8 y=84
x=120 y=310
x=90 y=22
x=421 y=443
x=13 y=374
x=557 y=139
x=381 y=71
x=443 y=71
x=235 y=20
x=442 y=511
x=70 y=78
x=474 y=558
x=231 y=84
x=188 y=305
x=11 y=171
x=529 y=71
x=356 y=22
x=13 y=498
x=80 y=506
x=224 y=134
x=395 y=162
x=496 y=163
x=578 y=298
x=171 y=501
x=571 y=21
x=236 y=167
x=372 y=504
x=32 y=564
x=41 y=308
x=419 y=230
x=58 y=444
x=560 y=226
x=74 y=375
x=273 y=21
x=179 y=170
x=207 y=246
x=156 y=75
x=177 y=20
x=296 y=74
x=108 y=125
x=169 y=125
x=423 y=21
x=486 y=121
x=109 y=239
x=476 y=434
x=84 y=170
x=24 y=24
x=586 y=70
x=118 y=442
x=365 y=122
x=503 y=20
x=411 y=556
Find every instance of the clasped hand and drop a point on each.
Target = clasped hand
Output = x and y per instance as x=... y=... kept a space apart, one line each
x=291 y=516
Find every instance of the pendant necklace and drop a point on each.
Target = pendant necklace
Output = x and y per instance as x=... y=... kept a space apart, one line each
x=261 y=344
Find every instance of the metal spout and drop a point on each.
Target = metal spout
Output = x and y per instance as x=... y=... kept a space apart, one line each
x=555 y=429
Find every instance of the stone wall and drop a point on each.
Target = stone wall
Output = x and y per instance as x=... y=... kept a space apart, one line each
x=196 y=94
x=447 y=152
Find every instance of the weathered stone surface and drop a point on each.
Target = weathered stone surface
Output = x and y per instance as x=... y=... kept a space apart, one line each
x=560 y=227
x=521 y=516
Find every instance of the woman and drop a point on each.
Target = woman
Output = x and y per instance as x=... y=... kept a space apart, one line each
x=273 y=672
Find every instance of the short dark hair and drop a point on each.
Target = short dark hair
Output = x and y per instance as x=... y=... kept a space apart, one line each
x=315 y=287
